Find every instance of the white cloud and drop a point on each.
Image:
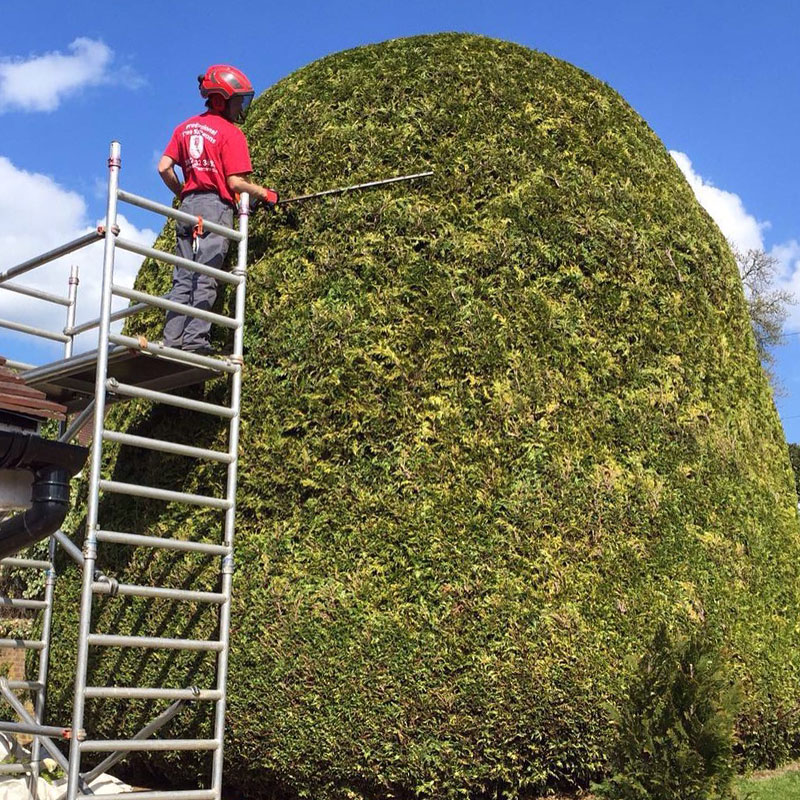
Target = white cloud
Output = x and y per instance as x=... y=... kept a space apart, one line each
x=725 y=208
x=41 y=82
x=788 y=254
x=788 y=257
x=24 y=233
x=746 y=232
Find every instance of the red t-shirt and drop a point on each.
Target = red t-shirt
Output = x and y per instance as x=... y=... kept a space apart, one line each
x=208 y=148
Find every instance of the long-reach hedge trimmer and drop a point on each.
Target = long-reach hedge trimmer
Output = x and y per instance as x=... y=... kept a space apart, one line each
x=304 y=198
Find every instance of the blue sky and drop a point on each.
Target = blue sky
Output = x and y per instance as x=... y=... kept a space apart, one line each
x=718 y=82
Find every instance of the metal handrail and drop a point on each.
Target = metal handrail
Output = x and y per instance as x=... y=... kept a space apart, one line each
x=177 y=261
x=65 y=336
x=31 y=330
x=174 y=353
x=180 y=216
x=51 y=255
x=70 y=331
x=37 y=293
x=163 y=302
x=18 y=365
x=123 y=313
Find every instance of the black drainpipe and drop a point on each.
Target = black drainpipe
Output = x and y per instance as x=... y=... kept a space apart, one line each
x=52 y=464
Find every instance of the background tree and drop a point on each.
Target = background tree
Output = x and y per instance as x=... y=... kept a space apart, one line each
x=794 y=457
x=767 y=305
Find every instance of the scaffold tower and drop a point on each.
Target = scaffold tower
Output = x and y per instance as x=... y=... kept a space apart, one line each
x=119 y=369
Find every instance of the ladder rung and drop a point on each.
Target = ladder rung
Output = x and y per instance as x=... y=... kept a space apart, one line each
x=173 y=354
x=33 y=686
x=127 y=390
x=133 y=693
x=165 y=544
x=166 y=447
x=199 y=794
x=171 y=305
x=169 y=258
x=16 y=602
x=145 y=745
x=25 y=562
x=22 y=644
x=153 y=642
x=12 y=769
x=164 y=494
x=130 y=590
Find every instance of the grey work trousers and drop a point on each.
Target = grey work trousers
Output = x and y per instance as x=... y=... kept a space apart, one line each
x=191 y=288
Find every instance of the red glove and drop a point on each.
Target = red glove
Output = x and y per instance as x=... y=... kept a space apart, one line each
x=270 y=199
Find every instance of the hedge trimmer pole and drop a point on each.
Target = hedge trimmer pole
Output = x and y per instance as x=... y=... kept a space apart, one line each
x=303 y=198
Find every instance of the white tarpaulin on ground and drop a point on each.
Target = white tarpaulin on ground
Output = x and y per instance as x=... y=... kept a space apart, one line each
x=16 y=788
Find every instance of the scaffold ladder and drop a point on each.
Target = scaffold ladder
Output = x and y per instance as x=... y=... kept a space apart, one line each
x=107 y=387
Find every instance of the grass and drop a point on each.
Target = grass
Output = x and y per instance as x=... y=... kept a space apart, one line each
x=779 y=784
x=783 y=784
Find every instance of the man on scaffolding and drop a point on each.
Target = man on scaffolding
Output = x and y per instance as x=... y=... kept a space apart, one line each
x=215 y=161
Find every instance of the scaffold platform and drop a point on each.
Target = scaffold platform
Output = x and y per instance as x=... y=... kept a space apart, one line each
x=71 y=381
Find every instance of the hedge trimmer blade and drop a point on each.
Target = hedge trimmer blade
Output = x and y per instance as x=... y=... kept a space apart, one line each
x=303 y=198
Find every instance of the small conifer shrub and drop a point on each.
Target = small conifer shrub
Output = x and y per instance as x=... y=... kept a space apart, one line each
x=676 y=724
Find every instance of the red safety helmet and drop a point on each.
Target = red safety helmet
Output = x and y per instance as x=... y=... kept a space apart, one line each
x=228 y=82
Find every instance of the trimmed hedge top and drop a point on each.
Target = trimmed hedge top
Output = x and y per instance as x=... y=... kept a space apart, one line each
x=497 y=426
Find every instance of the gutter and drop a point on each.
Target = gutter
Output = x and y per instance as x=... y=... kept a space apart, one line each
x=53 y=464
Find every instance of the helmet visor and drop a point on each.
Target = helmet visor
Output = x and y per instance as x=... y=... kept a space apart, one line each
x=246 y=100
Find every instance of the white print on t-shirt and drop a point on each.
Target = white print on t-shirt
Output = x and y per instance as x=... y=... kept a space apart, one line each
x=197 y=134
x=195 y=130
x=195 y=146
x=201 y=164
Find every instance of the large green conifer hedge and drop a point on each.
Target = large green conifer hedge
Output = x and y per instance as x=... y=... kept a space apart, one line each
x=497 y=426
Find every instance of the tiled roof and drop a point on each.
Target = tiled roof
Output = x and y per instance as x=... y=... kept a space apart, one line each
x=15 y=396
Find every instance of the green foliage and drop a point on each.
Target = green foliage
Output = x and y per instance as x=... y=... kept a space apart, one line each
x=794 y=459
x=496 y=427
x=675 y=725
